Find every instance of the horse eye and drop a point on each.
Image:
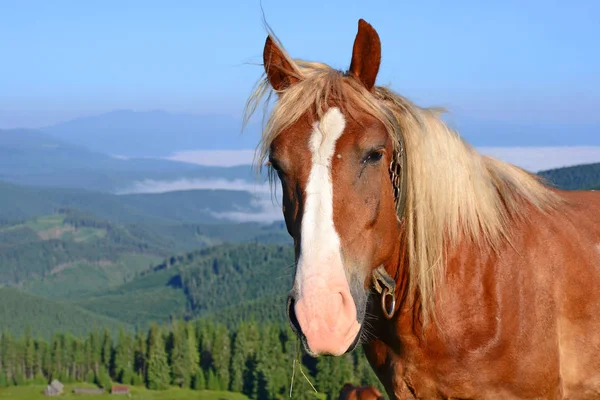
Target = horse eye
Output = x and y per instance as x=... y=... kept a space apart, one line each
x=273 y=165
x=374 y=156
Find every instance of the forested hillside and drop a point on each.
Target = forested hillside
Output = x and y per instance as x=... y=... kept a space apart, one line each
x=49 y=254
x=19 y=311
x=256 y=360
x=578 y=177
x=203 y=282
x=75 y=257
x=70 y=240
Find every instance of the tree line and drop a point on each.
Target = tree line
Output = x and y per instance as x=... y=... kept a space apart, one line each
x=256 y=360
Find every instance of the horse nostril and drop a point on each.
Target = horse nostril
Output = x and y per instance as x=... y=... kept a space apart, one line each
x=291 y=312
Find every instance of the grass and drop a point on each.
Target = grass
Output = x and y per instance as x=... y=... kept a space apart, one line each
x=37 y=392
x=85 y=235
x=53 y=227
x=46 y=222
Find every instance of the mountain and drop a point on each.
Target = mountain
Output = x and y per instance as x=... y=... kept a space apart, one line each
x=576 y=177
x=155 y=133
x=31 y=157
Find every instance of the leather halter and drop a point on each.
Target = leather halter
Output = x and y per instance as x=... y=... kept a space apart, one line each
x=383 y=283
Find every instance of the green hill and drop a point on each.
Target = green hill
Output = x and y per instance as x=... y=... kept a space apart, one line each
x=44 y=317
x=187 y=237
x=74 y=249
x=71 y=254
x=200 y=283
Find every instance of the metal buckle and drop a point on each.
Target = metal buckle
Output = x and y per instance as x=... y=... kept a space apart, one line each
x=386 y=287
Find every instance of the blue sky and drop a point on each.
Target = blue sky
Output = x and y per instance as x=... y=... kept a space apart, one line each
x=511 y=60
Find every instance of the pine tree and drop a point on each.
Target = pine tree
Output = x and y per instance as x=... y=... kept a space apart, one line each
x=47 y=361
x=158 y=373
x=78 y=359
x=212 y=381
x=253 y=344
x=205 y=338
x=180 y=359
x=90 y=377
x=38 y=367
x=19 y=376
x=332 y=373
x=40 y=352
x=19 y=362
x=68 y=357
x=95 y=351
x=1 y=357
x=221 y=354
x=140 y=361
x=57 y=357
x=107 y=346
x=29 y=354
x=103 y=379
x=199 y=381
x=271 y=377
x=8 y=356
x=193 y=358
x=238 y=358
x=123 y=360
x=296 y=369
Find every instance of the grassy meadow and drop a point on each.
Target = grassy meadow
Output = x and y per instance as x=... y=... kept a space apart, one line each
x=32 y=392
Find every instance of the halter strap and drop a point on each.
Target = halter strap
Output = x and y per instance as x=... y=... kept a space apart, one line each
x=383 y=283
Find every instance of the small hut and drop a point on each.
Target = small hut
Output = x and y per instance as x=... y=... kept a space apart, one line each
x=119 y=390
x=55 y=388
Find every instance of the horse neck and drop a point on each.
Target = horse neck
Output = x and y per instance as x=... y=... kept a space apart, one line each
x=409 y=306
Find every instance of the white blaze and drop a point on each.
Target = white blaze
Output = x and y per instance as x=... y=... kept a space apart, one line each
x=320 y=242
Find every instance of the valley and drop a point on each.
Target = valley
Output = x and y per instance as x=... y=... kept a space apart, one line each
x=109 y=269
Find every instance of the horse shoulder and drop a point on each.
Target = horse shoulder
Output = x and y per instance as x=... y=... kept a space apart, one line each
x=525 y=313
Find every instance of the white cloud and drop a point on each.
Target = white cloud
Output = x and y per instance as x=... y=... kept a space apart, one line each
x=217 y=158
x=158 y=186
x=266 y=203
x=269 y=206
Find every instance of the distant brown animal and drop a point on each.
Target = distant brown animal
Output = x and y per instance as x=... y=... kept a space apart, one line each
x=486 y=281
x=351 y=392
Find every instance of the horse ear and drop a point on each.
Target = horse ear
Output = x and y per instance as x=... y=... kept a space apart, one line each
x=279 y=70
x=366 y=55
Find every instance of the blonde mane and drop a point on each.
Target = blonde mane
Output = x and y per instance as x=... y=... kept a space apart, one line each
x=453 y=192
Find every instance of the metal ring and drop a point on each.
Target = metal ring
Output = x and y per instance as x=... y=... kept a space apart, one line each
x=389 y=313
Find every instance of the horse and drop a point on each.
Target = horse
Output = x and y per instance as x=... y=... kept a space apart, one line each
x=462 y=276
x=352 y=392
